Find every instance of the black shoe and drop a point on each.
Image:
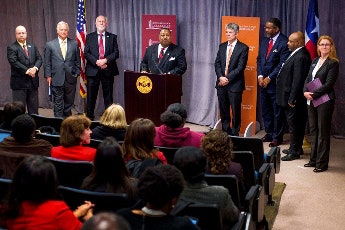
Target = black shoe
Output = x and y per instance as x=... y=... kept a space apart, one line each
x=286 y=151
x=290 y=157
x=318 y=170
x=267 y=138
x=309 y=165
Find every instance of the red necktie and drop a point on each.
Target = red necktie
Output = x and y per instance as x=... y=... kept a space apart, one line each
x=161 y=54
x=26 y=50
x=101 y=47
x=270 y=45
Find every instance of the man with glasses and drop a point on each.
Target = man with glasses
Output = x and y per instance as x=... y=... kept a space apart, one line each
x=273 y=51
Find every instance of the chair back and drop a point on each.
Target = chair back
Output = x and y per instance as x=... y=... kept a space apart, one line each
x=253 y=144
x=54 y=122
x=103 y=201
x=207 y=215
x=93 y=143
x=228 y=181
x=71 y=173
x=169 y=153
x=241 y=221
x=5 y=185
x=52 y=139
x=4 y=133
x=255 y=204
x=246 y=159
x=273 y=156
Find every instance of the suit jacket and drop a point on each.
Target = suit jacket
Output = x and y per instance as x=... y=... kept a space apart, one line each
x=291 y=78
x=238 y=63
x=20 y=63
x=271 y=66
x=173 y=61
x=111 y=53
x=58 y=68
x=328 y=74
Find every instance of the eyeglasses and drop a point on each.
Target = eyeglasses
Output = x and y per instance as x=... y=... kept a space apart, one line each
x=325 y=44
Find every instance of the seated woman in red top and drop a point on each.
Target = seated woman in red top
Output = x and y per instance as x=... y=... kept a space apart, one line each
x=74 y=131
x=33 y=203
x=172 y=133
x=138 y=148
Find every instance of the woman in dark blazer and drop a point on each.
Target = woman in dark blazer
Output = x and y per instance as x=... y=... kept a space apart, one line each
x=326 y=69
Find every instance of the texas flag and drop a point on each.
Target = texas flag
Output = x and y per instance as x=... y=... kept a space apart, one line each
x=312 y=28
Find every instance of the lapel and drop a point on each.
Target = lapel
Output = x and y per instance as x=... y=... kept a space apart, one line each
x=106 y=42
x=166 y=56
x=58 y=48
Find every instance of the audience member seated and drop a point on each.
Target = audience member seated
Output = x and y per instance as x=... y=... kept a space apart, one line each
x=159 y=188
x=192 y=163
x=106 y=221
x=217 y=147
x=138 y=148
x=172 y=133
x=112 y=123
x=22 y=139
x=109 y=173
x=33 y=201
x=75 y=131
x=11 y=111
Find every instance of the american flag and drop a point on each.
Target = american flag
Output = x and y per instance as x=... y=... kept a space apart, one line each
x=81 y=39
x=312 y=28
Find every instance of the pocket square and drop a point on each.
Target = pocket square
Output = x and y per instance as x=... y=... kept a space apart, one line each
x=172 y=58
x=275 y=51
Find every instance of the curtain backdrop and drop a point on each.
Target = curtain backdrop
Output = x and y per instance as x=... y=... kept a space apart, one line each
x=198 y=31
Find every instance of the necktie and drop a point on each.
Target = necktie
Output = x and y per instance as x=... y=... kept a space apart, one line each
x=26 y=50
x=63 y=49
x=228 y=60
x=161 y=54
x=101 y=47
x=270 y=45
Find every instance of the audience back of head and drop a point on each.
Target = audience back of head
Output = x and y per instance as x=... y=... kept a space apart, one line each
x=11 y=111
x=114 y=116
x=23 y=128
x=106 y=221
x=175 y=115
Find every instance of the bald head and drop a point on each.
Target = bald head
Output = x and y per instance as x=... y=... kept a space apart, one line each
x=21 y=34
x=296 y=40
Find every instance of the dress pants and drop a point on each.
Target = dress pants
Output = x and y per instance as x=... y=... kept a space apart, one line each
x=227 y=99
x=29 y=97
x=296 y=118
x=273 y=115
x=320 y=120
x=93 y=83
x=63 y=98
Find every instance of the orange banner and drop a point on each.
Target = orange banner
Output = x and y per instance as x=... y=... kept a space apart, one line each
x=249 y=34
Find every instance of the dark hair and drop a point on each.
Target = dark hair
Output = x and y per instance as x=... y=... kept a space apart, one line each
x=217 y=147
x=106 y=221
x=23 y=128
x=276 y=22
x=160 y=184
x=34 y=180
x=192 y=163
x=139 y=139
x=109 y=168
x=11 y=111
x=175 y=115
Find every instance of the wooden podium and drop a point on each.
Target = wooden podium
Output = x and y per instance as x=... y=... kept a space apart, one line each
x=148 y=95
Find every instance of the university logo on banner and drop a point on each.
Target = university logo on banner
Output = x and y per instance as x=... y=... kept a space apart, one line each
x=152 y=24
x=312 y=29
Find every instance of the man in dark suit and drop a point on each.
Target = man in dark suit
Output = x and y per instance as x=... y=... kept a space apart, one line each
x=61 y=69
x=290 y=83
x=101 y=51
x=164 y=57
x=25 y=61
x=230 y=64
x=273 y=51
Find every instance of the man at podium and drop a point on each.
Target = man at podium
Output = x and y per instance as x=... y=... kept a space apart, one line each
x=165 y=57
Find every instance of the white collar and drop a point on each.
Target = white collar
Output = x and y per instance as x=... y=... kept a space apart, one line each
x=152 y=212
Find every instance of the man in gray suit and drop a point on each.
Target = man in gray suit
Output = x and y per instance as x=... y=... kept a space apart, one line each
x=61 y=69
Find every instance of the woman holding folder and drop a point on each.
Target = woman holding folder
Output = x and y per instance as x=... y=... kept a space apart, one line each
x=321 y=99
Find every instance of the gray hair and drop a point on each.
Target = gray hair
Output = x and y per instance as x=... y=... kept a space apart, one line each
x=233 y=26
x=60 y=24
